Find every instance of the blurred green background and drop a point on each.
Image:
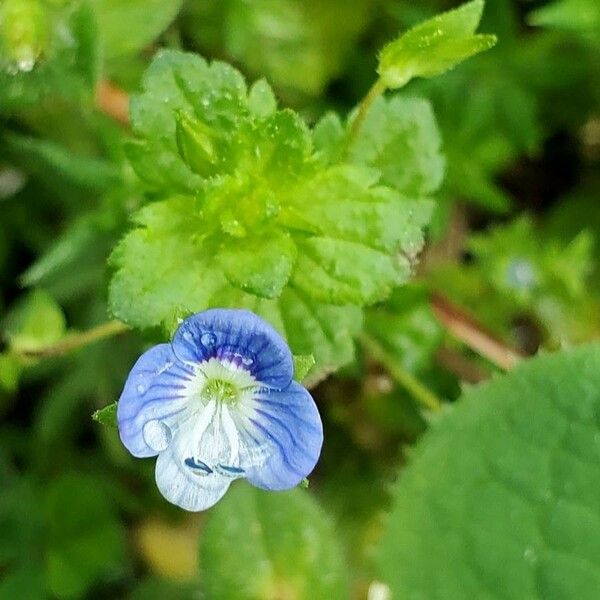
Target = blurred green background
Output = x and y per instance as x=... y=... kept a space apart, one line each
x=513 y=244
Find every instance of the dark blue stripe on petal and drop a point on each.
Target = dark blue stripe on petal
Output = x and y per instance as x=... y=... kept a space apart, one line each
x=279 y=445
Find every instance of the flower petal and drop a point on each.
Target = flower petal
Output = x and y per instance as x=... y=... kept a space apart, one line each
x=285 y=427
x=190 y=488
x=237 y=336
x=154 y=394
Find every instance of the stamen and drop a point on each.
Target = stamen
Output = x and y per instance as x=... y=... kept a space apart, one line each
x=198 y=464
x=230 y=470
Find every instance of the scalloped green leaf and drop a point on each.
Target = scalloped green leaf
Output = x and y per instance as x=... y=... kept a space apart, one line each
x=502 y=495
x=248 y=208
x=285 y=547
x=399 y=137
x=434 y=46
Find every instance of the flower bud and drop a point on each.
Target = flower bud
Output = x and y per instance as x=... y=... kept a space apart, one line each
x=23 y=32
x=196 y=144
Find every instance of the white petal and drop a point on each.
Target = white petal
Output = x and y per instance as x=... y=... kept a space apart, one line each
x=182 y=486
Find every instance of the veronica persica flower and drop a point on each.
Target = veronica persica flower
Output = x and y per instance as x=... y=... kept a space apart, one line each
x=217 y=404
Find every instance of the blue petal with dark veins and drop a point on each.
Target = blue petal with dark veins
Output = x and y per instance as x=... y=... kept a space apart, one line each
x=154 y=391
x=289 y=424
x=238 y=336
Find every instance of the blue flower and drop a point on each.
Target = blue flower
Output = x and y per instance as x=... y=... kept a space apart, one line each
x=217 y=404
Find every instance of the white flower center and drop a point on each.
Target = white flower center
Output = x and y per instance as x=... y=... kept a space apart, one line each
x=219 y=397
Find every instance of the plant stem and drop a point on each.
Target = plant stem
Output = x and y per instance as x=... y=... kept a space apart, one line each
x=78 y=340
x=410 y=383
x=113 y=101
x=363 y=108
x=467 y=330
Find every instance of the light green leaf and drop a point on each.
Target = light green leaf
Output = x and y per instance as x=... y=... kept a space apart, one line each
x=261 y=99
x=107 y=415
x=285 y=547
x=303 y=363
x=581 y=16
x=36 y=322
x=298 y=46
x=406 y=327
x=400 y=138
x=128 y=26
x=49 y=161
x=58 y=57
x=434 y=46
x=260 y=265
x=503 y=493
x=256 y=215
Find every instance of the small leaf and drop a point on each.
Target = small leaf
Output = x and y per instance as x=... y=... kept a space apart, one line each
x=48 y=160
x=503 y=492
x=434 y=46
x=582 y=16
x=36 y=322
x=196 y=144
x=261 y=99
x=107 y=415
x=285 y=548
x=57 y=57
x=128 y=26
x=400 y=138
x=302 y=365
x=260 y=265
x=23 y=32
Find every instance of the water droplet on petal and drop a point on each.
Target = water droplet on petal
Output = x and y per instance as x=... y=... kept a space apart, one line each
x=208 y=339
x=247 y=361
x=157 y=435
x=140 y=389
x=187 y=336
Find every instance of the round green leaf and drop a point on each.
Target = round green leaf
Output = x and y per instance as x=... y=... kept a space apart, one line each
x=261 y=545
x=502 y=498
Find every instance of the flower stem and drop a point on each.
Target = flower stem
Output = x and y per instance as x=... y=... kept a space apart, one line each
x=363 y=108
x=410 y=383
x=463 y=327
x=77 y=340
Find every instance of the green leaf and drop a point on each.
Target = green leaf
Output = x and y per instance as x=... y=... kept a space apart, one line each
x=50 y=161
x=36 y=322
x=261 y=99
x=302 y=365
x=249 y=212
x=503 y=493
x=285 y=546
x=128 y=26
x=57 y=57
x=298 y=46
x=23 y=32
x=107 y=415
x=10 y=371
x=434 y=46
x=406 y=327
x=400 y=138
x=260 y=265
x=581 y=16
x=86 y=543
